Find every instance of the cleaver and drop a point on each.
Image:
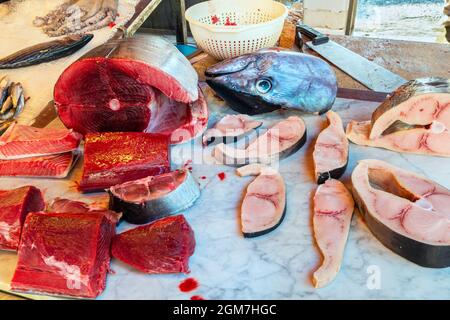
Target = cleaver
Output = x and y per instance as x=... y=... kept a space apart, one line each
x=370 y=74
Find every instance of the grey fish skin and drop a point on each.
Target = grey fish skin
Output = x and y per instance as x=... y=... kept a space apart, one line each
x=45 y=52
x=271 y=79
x=409 y=90
x=4 y=89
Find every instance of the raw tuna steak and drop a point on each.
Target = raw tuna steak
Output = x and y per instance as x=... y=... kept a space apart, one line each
x=163 y=246
x=280 y=141
x=155 y=197
x=264 y=205
x=331 y=150
x=230 y=128
x=133 y=85
x=21 y=141
x=333 y=211
x=117 y=157
x=414 y=119
x=408 y=213
x=54 y=166
x=65 y=254
x=14 y=207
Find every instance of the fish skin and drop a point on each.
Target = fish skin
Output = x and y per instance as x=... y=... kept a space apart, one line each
x=299 y=81
x=4 y=89
x=45 y=52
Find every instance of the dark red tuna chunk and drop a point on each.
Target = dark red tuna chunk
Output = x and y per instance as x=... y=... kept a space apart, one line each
x=118 y=157
x=64 y=254
x=161 y=247
x=14 y=207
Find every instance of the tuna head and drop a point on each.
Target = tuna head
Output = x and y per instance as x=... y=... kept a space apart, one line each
x=271 y=79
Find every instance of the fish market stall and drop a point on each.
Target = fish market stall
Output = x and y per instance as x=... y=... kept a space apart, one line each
x=252 y=189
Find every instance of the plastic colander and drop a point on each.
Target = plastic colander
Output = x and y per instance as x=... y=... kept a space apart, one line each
x=230 y=28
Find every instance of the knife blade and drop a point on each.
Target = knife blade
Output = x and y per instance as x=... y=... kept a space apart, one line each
x=368 y=73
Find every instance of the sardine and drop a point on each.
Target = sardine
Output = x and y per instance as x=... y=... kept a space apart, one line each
x=6 y=106
x=4 y=89
x=45 y=52
x=272 y=79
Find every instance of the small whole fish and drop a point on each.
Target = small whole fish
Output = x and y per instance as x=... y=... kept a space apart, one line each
x=12 y=102
x=45 y=52
x=272 y=79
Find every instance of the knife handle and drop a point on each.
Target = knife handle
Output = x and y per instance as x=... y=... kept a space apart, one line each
x=316 y=36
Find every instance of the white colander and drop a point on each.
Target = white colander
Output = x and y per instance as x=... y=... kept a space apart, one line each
x=258 y=25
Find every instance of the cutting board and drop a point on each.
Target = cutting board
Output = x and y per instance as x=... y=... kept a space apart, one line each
x=278 y=265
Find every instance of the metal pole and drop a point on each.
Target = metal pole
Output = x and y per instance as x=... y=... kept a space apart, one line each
x=352 y=10
x=181 y=22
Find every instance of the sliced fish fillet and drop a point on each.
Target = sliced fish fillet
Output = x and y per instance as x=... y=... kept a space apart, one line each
x=333 y=211
x=21 y=141
x=54 y=166
x=331 y=150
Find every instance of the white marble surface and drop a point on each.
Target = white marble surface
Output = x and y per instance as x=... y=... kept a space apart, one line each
x=279 y=265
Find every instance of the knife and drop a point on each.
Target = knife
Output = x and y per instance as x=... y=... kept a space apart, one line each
x=359 y=68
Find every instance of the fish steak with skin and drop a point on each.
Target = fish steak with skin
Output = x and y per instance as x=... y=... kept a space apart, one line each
x=407 y=212
x=414 y=119
x=280 y=141
x=132 y=85
x=272 y=79
x=264 y=205
x=331 y=150
x=230 y=129
x=333 y=211
x=155 y=197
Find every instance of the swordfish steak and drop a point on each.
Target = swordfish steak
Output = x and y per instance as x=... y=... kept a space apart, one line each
x=14 y=207
x=65 y=254
x=408 y=213
x=333 y=211
x=414 y=119
x=21 y=141
x=130 y=86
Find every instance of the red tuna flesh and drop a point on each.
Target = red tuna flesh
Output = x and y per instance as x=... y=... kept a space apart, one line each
x=14 y=207
x=21 y=141
x=161 y=247
x=140 y=86
x=54 y=166
x=114 y=158
x=64 y=254
x=60 y=205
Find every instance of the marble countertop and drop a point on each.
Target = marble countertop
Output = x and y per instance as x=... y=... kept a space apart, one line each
x=280 y=264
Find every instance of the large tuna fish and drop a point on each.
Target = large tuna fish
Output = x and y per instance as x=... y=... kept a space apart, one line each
x=408 y=213
x=414 y=119
x=271 y=79
x=133 y=85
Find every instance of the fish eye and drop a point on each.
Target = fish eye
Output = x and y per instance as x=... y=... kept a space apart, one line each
x=263 y=85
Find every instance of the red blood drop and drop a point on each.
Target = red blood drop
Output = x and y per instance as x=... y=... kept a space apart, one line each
x=203 y=178
x=229 y=23
x=188 y=285
x=222 y=176
x=214 y=19
x=112 y=25
x=197 y=298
